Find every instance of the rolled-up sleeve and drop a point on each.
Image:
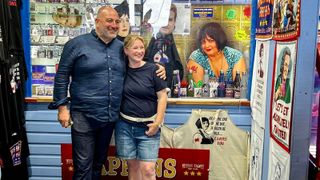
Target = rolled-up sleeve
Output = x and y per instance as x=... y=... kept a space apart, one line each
x=62 y=78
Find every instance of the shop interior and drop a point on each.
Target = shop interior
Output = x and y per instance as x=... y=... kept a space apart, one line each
x=255 y=133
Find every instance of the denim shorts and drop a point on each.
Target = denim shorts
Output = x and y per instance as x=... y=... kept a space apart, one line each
x=133 y=143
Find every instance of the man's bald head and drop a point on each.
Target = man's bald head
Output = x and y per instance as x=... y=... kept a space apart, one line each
x=104 y=9
x=107 y=23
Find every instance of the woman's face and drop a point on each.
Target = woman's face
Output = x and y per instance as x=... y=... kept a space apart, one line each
x=136 y=51
x=209 y=46
x=205 y=125
x=170 y=27
x=286 y=66
x=124 y=26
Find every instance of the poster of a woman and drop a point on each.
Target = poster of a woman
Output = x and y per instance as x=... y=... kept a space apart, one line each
x=282 y=94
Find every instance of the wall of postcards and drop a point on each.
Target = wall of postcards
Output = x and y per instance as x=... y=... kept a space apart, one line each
x=52 y=24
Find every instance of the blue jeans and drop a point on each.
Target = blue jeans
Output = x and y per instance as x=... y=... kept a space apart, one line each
x=133 y=143
x=90 y=143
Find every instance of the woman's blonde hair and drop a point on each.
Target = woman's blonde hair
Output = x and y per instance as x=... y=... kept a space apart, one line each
x=130 y=39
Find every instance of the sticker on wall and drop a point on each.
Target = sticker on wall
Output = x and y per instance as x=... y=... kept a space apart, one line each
x=286 y=19
x=264 y=19
x=247 y=11
x=282 y=93
x=202 y=12
x=231 y=14
x=241 y=34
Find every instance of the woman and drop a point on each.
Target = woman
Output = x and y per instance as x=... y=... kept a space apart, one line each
x=283 y=90
x=142 y=110
x=203 y=126
x=213 y=55
x=124 y=26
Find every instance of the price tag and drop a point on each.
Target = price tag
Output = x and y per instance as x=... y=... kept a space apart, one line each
x=62 y=39
x=47 y=39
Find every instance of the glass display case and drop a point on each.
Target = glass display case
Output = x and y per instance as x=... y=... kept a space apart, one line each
x=52 y=24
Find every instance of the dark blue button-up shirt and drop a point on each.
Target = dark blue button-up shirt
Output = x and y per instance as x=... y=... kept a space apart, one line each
x=97 y=72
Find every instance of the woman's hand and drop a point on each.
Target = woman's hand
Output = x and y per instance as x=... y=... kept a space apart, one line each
x=197 y=71
x=161 y=108
x=153 y=129
x=278 y=94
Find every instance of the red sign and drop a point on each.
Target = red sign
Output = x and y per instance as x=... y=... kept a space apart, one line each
x=178 y=164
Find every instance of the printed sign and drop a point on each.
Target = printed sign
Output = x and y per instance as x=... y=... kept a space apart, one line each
x=259 y=82
x=178 y=164
x=282 y=94
x=286 y=19
x=279 y=162
x=203 y=12
x=264 y=19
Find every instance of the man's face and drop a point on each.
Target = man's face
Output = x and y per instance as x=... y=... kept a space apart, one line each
x=107 y=24
x=170 y=27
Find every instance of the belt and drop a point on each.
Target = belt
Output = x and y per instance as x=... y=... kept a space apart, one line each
x=138 y=119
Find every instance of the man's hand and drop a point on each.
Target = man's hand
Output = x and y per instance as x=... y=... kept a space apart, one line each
x=161 y=72
x=64 y=116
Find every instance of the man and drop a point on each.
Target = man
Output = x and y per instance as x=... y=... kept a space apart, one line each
x=162 y=48
x=96 y=64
